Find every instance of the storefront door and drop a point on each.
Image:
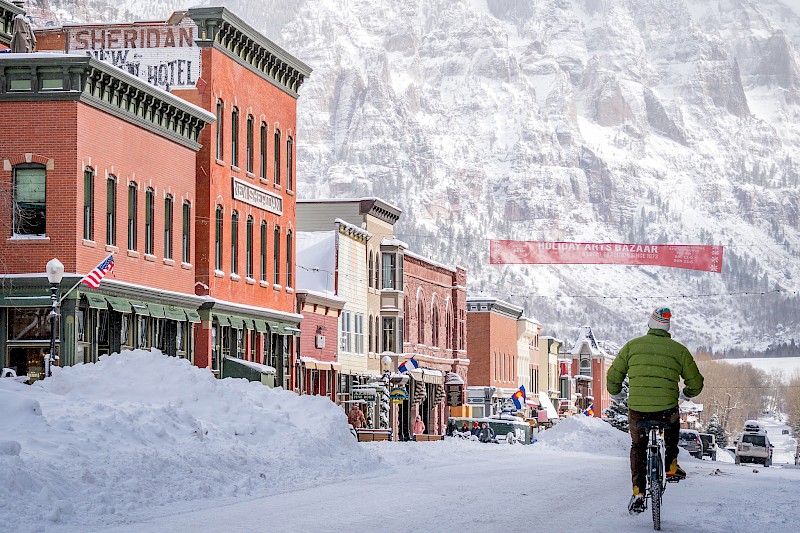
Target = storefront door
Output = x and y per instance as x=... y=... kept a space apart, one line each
x=28 y=360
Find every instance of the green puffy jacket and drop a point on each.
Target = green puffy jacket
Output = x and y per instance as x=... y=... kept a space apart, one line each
x=654 y=364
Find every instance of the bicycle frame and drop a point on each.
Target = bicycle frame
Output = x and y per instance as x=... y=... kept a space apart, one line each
x=656 y=481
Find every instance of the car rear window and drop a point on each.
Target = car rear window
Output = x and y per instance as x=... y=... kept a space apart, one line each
x=688 y=436
x=755 y=440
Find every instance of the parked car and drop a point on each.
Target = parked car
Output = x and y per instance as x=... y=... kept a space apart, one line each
x=785 y=432
x=709 y=445
x=690 y=441
x=507 y=429
x=754 y=447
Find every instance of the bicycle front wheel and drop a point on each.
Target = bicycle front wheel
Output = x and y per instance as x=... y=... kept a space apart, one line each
x=656 y=489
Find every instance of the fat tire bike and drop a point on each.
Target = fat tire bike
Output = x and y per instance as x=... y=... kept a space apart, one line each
x=656 y=479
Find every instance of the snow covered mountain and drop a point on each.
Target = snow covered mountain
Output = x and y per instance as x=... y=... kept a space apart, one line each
x=665 y=121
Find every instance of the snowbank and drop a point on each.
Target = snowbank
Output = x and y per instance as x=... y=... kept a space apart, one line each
x=586 y=434
x=140 y=429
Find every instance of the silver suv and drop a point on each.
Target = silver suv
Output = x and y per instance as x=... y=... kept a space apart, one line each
x=753 y=446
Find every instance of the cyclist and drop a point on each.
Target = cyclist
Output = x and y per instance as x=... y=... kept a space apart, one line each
x=654 y=364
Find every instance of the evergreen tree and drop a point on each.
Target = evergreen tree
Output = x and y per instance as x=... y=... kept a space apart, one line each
x=715 y=429
x=617 y=413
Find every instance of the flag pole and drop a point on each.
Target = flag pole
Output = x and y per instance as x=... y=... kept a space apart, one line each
x=78 y=283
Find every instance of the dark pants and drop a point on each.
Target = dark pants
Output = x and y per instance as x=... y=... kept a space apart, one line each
x=639 y=442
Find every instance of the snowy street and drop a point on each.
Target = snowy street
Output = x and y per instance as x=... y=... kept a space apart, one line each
x=108 y=448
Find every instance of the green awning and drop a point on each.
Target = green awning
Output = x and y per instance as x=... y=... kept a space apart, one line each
x=174 y=313
x=274 y=327
x=261 y=325
x=140 y=309
x=25 y=301
x=293 y=330
x=248 y=324
x=120 y=305
x=237 y=322
x=224 y=320
x=192 y=315
x=156 y=310
x=96 y=301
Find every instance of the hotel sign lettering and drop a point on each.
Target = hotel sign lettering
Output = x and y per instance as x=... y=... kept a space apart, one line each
x=260 y=198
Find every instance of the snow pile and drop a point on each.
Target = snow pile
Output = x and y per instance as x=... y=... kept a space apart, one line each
x=586 y=434
x=140 y=429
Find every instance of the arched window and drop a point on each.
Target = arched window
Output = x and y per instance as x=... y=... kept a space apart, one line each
x=249 y=248
x=369 y=278
x=420 y=321
x=277 y=155
x=149 y=220
x=250 y=150
x=132 y=216
x=111 y=210
x=218 y=238
x=289 y=173
x=234 y=242
x=168 y=207
x=448 y=328
x=435 y=325
x=377 y=333
x=235 y=137
x=219 y=123
x=369 y=334
x=377 y=271
x=88 y=204
x=289 y=258
x=263 y=256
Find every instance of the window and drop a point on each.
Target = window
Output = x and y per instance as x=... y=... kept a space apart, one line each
x=345 y=335
x=448 y=329
x=131 y=216
x=277 y=157
x=149 y=233
x=185 y=236
x=389 y=270
x=168 y=227
x=276 y=252
x=262 y=171
x=235 y=137
x=359 y=333
x=288 y=258
x=377 y=271
x=249 y=162
x=218 y=239
x=586 y=367
x=369 y=276
x=249 y=248
x=369 y=334
x=388 y=335
x=234 y=242
x=111 y=211
x=420 y=321
x=263 y=258
x=289 y=175
x=28 y=217
x=377 y=333
x=88 y=204
x=220 y=116
x=435 y=326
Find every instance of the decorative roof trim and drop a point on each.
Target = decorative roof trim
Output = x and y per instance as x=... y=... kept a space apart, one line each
x=493 y=305
x=220 y=29
x=101 y=85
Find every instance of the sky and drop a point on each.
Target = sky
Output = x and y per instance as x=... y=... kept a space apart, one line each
x=140 y=442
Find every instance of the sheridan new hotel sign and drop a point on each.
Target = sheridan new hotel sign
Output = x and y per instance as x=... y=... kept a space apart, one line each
x=164 y=55
x=252 y=195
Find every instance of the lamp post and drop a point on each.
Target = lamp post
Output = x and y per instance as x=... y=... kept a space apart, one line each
x=386 y=366
x=55 y=271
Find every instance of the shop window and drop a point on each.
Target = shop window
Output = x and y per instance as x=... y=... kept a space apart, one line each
x=29 y=207
x=215 y=336
x=141 y=330
x=277 y=155
x=80 y=324
x=88 y=204
x=218 y=239
x=103 y=327
x=252 y=345
x=149 y=220
x=219 y=125
x=124 y=330
x=168 y=203
x=132 y=216
x=234 y=242
x=186 y=233
x=235 y=137
x=111 y=211
x=179 y=336
x=249 y=248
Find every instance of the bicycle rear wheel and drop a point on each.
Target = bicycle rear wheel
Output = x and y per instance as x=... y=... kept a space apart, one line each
x=656 y=488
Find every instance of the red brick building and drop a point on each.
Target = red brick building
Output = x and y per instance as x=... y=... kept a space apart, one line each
x=319 y=361
x=95 y=162
x=493 y=350
x=435 y=333
x=245 y=210
x=589 y=364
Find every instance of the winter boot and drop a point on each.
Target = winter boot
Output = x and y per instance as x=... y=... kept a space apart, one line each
x=675 y=473
x=637 y=503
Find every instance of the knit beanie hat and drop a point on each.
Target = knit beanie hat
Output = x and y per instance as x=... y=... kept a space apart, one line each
x=660 y=318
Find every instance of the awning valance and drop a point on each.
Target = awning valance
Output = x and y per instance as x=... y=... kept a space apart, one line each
x=25 y=301
x=156 y=310
x=140 y=309
x=237 y=322
x=261 y=325
x=224 y=320
x=248 y=324
x=120 y=305
x=174 y=313
x=192 y=315
x=96 y=301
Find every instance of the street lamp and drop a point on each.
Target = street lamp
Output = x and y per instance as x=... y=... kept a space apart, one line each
x=55 y=271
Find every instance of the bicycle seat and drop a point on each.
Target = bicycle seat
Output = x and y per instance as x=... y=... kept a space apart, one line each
x=647 y=425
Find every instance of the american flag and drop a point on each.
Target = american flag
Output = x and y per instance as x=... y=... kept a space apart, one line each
x=93 y=278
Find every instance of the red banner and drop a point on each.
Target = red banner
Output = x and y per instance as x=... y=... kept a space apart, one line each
x=693 y=257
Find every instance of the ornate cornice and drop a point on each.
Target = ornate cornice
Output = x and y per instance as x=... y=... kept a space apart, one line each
x=27 y=77
x=221 y=29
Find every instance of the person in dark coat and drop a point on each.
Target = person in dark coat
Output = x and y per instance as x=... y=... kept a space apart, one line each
x=486 y=433
x=476 y=429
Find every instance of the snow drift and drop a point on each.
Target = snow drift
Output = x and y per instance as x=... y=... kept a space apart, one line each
x=586 y=434
x=140 y=429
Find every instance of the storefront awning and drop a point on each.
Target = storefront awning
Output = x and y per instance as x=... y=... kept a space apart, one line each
x=192 y=315
x=25 y=301
x=428 y=376
x=174 y=313
x=224 y=320
x=291 y=330
x=248 y=324
x=120 y=305
x=261 y=325
x=237 y=322
x=156 y=310
x=96 y=301
x=140 y=309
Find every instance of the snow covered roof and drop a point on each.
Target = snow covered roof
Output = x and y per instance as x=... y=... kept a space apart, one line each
x=586 y=339
x=264 y=369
